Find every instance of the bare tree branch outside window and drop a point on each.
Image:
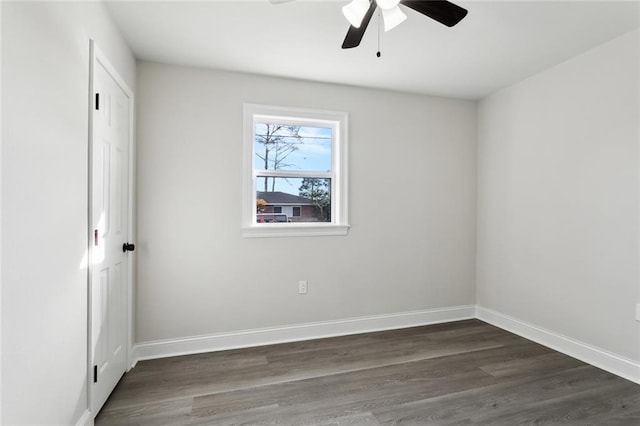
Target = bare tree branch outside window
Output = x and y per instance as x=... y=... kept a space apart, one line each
x=279 y=141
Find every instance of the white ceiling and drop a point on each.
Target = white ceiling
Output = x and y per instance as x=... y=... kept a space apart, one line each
x=499 y=42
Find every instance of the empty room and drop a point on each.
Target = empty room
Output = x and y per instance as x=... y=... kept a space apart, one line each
x=320 y=212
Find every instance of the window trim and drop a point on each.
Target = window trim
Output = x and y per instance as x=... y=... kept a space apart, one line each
x=339 y=224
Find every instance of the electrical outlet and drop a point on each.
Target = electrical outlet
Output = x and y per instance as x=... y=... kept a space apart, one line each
x=638 y=312
x=302 y=287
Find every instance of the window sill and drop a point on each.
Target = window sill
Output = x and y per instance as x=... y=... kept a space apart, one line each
x=297 y=230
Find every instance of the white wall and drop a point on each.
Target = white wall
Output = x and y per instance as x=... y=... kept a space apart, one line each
x=45 y=81
x=558 y=198
x=0 y=213
x=412 y=208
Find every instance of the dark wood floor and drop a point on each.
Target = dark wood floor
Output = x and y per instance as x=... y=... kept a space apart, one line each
x=465 y=372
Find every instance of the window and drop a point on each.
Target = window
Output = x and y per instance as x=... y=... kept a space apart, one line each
x=294 y=166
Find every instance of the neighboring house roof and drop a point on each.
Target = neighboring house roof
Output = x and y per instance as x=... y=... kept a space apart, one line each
x=282 y=198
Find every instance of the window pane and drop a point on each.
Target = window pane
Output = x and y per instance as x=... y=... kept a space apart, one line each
x=279 y=147
x=299 y=200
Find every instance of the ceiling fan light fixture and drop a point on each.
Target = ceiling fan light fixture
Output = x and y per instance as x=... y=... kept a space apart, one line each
x=387 y=4
x=355 y=11
x=392 y=18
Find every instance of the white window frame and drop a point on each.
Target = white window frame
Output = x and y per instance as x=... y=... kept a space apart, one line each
x=338 y=121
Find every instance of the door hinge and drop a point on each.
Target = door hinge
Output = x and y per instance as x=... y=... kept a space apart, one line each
x=95 y=374
x=97 y=101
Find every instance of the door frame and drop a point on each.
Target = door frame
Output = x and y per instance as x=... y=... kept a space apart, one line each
x=96 y=57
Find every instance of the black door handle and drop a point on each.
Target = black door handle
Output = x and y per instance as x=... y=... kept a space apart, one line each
x=128 y=247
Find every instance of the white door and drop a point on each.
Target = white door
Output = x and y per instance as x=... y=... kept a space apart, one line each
x=109 y=276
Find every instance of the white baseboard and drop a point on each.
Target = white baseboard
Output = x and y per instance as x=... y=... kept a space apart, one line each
x=595 y=356
x=86 y=419
x=590 y=354
x=297 y=332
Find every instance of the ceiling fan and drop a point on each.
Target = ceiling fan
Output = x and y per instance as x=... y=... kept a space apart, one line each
x=360 y=12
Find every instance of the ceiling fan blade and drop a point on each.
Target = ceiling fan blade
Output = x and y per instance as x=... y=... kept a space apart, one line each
x=442 y=11
x=354 y=35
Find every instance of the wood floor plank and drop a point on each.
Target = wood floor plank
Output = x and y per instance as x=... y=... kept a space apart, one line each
x=531 y=365
x=176 y=411
x=466 y=372
x=201 y=381
x=446 y=368
x=502 y=403
x=594 y=405
x=318 y=403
